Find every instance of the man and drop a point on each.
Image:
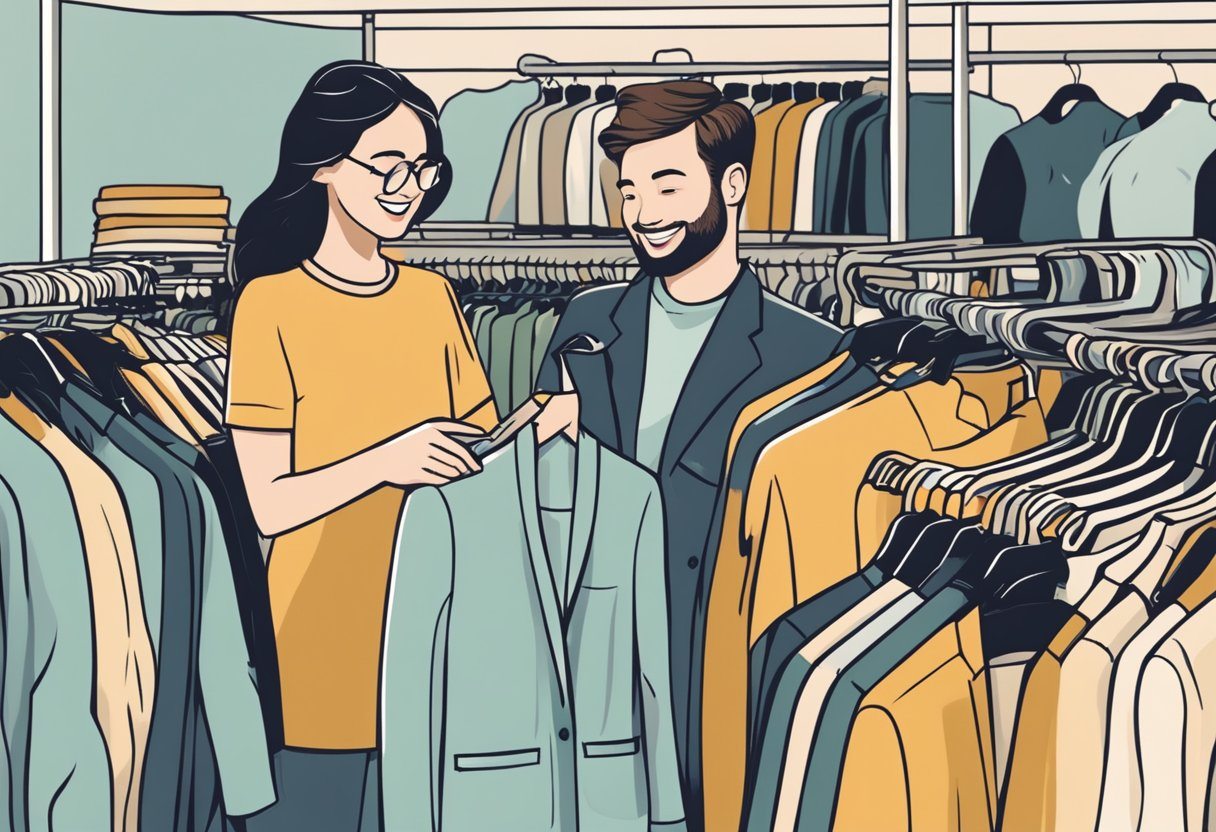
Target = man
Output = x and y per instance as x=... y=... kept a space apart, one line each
x=687 y=343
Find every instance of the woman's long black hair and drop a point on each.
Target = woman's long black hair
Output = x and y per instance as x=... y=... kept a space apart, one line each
x=284 y=226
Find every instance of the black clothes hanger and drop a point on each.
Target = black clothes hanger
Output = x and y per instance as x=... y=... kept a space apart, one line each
x=762 y=92
x=1069 y=93
x=1164 y=99
x=853 y=89
x=937 y=552
x=830 y=90
x=577 y=93
x=734 y=91
x=102 y=361
x=879 y=339
x=552 y=94
x=1002 y=575
x=605 y=93
x=27 y=372
x=805 y=91
x=782 y=92
x=901 y=534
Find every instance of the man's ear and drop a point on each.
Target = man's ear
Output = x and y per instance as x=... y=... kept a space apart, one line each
x=734 y=184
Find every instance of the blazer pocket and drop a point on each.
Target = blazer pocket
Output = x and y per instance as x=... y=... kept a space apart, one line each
x=496 y=760
x=612 y=748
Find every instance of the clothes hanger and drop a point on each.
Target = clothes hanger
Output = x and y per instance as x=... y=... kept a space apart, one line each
x=527 y=413
x=1154 y=480
x=1074 y=93
x=933 y=548
x=1122 y=452
x=1166 y=97
x=901 y=535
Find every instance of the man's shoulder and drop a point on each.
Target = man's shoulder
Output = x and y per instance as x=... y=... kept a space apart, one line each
x=782 y=318
x=595 y=302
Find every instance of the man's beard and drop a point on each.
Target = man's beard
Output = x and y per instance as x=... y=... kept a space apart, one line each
x=701 y=237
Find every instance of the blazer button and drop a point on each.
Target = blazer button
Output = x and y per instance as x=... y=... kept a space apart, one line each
x=693 y=562
x=563 y=734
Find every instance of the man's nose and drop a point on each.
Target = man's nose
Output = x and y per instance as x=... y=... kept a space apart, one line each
x=648 y=219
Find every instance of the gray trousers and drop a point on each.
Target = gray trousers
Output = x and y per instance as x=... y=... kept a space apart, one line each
x=322 y=791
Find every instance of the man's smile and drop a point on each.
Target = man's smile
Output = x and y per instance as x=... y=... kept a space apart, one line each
x=662 y=239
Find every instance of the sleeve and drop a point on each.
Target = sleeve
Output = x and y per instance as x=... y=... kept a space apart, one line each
x=231 y=703
x=651 y=643
x=467 y=384
x=1000 y=196
x=1161 y=725
x=415 y=632
x=874 y=785
x=261 y=394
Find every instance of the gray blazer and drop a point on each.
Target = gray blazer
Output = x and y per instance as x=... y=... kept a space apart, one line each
x=504 y=708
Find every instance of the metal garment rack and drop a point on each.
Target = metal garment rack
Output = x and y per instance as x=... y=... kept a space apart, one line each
x=960 y=64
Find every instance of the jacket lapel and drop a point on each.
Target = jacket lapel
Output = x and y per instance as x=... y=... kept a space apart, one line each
x=542 y=572
x=627 y=360
x=728 y=357
x=586 y=503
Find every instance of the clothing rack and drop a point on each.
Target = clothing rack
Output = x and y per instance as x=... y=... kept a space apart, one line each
x=1126 y=356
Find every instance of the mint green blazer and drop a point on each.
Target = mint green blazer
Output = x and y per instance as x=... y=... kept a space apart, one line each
x=511 y=703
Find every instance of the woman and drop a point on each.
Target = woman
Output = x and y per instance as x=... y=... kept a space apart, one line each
x=351 y=378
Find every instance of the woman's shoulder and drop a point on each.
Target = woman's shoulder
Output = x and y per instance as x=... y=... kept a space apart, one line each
x=424 y=284
x=269 y=287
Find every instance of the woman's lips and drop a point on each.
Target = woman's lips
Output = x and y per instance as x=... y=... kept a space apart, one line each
x=397 y=209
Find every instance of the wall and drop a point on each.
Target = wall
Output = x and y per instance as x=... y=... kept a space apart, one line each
x=198 y=99
x=19 y=136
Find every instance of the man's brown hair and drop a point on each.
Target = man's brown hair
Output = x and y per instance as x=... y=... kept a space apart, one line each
x=726 y=133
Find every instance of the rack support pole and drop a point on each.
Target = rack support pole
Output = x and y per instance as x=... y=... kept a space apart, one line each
x=49 y=133
x=897 y=57
x=961 y=133
x=369 y=37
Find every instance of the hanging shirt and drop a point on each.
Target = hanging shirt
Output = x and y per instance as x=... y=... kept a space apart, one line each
x=343 y=372
x=477 y=125
x=675 y=334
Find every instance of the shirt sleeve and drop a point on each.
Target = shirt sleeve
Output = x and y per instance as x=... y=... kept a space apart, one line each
x=261 y=394
x=471 y=400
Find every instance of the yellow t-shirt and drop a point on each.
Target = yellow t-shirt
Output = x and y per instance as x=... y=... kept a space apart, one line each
x=344 y=372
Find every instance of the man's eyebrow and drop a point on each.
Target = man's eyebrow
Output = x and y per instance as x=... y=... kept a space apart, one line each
x=666 y=172
x=396 y=153
x=620 y=183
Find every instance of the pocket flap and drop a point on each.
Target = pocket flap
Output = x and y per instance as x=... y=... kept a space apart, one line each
x=498 y=760
x=612 y=748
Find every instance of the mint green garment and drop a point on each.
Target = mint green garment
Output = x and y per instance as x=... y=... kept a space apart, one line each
x=541 y=336
x=54 y=743
x=502 y=338
x=475 y=126
x=674 y=337
x=522 y=348
x=556 y=462
x=503 y=708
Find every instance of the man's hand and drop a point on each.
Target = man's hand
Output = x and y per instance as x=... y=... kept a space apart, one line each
x=559 y=414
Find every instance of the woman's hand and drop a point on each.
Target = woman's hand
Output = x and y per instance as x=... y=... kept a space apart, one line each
x=428 y=454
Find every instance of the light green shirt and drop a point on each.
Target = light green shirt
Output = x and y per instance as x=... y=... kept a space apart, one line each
x=555 y=466
x=676 y=333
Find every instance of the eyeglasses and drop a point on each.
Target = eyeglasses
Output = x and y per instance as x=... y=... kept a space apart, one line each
x=427 y=172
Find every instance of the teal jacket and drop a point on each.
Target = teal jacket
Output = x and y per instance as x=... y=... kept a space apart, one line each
x=505 y=707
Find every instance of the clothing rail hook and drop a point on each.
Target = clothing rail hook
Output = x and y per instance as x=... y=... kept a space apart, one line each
x=1170 y=64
